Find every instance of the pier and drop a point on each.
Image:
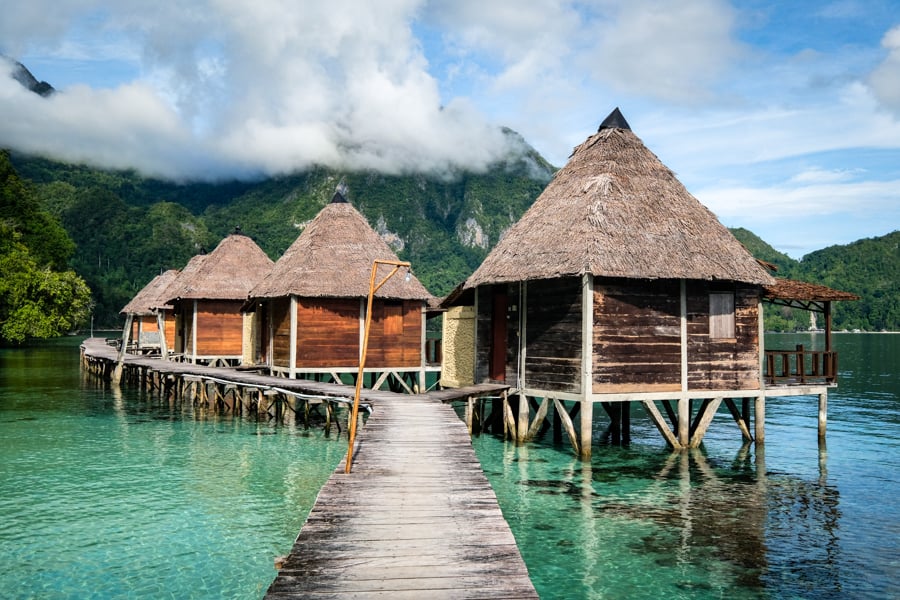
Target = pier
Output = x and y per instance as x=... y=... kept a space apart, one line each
x=416 y=516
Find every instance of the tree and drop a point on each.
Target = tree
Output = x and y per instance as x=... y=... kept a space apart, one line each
x=35 y=301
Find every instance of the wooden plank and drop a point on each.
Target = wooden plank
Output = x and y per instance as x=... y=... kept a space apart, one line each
x=415 y=518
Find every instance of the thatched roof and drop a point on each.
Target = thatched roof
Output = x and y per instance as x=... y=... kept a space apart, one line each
x=333 y=258
x=615 y=210
x=227 y=273
x=151 y=296
x=791 y=289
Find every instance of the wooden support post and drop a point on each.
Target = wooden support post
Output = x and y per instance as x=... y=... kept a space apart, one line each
x=470 y=407
x=684 y=421
x=509 y=422
x=823 y=414
x=760 y=420
x=586 y=428
x=661 y=424
x=739 y=419
x=539 y=417
x=705 y=417
x=522 y=421
x=120 y=359
x=567 y=423
x=626 y=422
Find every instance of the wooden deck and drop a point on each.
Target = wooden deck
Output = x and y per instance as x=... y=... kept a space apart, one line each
x=416 y=517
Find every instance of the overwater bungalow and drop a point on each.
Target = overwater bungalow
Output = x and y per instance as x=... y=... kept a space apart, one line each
x=313 y=305
x=147 y=314
x=207 y=297
x=616 y=286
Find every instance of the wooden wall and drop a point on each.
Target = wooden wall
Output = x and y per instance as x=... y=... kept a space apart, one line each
x=637 y=336
x=220 y=328
x=395 y=334
x=328 y=332
x=728 y=363
x=553 y=335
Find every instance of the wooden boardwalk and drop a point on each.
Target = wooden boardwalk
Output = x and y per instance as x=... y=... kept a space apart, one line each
x=416 y=517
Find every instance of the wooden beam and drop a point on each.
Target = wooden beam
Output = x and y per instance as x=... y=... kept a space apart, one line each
x=587 y=364
x=539 y=417
x=567 y=423
x=823 y=414
x=120 y=359
x=522 y=422
x=661 y=424
x=739 y=419
x=684 y=421
x=760 y=422
x=706 y=414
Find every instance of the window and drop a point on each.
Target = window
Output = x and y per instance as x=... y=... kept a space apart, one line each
x=721 y=315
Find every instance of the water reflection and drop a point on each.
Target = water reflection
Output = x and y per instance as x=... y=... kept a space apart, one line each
x=691 y=525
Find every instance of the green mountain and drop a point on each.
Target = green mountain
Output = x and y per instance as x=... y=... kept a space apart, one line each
x=869 y=268
x=126 y=229
x=784 y=264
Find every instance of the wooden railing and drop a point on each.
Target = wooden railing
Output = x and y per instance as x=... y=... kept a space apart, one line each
x=800 y=366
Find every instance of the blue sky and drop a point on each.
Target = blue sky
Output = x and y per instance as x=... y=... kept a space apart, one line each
x=782 y=117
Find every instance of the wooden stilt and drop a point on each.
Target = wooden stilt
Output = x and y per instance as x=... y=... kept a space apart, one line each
x=760 y=420
x=522 y=421
x=823 y=414
x=705 y=417
x=538 y=419
x=661 y=424
x=567 y=423
x=739 y=419
x=684 y=422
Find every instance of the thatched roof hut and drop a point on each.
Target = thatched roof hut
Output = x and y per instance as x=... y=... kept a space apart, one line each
x=333 y=258
x=227 y=273
x=614 y=210
x=152 y=296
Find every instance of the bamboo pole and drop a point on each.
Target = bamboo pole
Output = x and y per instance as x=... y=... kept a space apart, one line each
x=362 y=360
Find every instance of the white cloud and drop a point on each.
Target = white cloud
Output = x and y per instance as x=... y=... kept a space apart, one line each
x=250 y=86
x=792 y=200
x=885 y=79
x=669 y=50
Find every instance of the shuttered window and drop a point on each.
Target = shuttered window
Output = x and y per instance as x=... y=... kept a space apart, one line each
x=721 y=315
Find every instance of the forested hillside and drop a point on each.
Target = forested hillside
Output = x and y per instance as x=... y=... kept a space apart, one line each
x=40 y=296
x=869 y=268
x=127 y=229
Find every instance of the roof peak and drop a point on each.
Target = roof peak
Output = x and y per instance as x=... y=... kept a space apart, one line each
x=339 y=198
x=615 y=120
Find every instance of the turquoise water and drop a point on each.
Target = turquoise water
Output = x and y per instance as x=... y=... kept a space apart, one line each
x=726 y=521
x=114 y=494
x=111 y=495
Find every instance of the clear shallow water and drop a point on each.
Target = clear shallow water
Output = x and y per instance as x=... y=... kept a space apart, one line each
x=108 y=495
x=726 y=521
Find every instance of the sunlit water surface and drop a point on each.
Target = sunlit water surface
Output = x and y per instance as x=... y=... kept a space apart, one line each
x=110 y=495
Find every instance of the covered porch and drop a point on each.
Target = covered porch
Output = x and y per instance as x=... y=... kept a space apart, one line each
x=800 y=366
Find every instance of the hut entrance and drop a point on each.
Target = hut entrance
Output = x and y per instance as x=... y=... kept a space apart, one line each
x=498 y=336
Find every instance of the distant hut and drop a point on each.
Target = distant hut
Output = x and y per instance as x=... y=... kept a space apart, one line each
x=207 y=297
x=314 y=301
x=617 y=285
x=147 y=314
